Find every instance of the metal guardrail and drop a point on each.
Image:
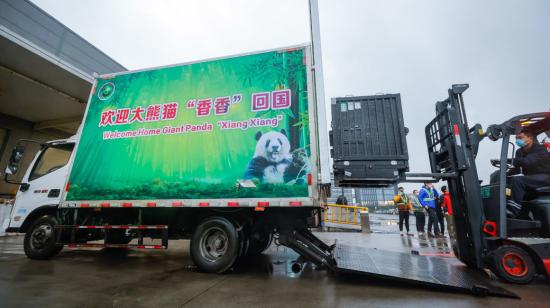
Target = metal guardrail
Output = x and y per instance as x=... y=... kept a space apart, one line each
x=344 y=214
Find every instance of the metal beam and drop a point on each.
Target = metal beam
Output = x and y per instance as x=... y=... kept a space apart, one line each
x=317 y=66
x=57 y=122
x=45 y=86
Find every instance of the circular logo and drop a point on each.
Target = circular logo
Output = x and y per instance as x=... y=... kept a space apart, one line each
x=106 y=91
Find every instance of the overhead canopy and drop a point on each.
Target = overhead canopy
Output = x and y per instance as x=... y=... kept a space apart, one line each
x=38 y=87
x=535 y=123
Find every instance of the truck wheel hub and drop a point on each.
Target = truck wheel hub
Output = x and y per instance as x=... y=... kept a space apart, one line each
x=213 y=244
x=40 y=236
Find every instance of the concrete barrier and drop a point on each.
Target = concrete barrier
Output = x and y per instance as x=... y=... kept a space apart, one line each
x=365 y=222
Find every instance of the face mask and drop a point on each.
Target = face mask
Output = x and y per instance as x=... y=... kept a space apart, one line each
x=520 y=143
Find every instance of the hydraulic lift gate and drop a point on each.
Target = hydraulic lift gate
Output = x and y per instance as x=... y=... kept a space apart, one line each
x=432 y=272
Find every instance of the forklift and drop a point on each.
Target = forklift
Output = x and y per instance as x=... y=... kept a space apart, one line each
x=486 y=234
x=484 y=237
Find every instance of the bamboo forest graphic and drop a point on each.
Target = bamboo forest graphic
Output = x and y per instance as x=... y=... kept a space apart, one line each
x=197 y=131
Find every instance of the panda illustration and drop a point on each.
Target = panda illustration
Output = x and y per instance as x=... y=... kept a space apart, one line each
x=300 y=166
x=274 y=163
x=271 y=158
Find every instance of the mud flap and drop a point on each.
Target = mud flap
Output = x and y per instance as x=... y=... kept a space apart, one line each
x=431 y=272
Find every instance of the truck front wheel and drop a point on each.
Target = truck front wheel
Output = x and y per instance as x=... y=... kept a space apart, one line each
x=215 y=245
x=40 y=239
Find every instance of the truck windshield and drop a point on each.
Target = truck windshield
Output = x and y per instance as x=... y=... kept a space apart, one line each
x=51 y=159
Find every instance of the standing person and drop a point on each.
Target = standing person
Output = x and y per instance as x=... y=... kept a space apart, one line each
x=448 y=209
x=403 y=206
x=419 y=213
x=446 y=201
x=342 y=200
x=440 y=211
x=427 y=198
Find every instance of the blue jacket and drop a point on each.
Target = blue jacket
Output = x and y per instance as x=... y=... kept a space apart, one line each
x=428 y=197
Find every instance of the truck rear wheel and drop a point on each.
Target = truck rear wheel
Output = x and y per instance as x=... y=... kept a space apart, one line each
x=215 y=245
x=260 y=240
x=244 y=241
x=40 y=239
x=513 y=264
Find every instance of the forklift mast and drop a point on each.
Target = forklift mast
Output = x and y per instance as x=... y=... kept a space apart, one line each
x=452 y=148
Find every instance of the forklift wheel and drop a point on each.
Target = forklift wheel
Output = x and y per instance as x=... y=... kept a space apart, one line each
x=513 y=264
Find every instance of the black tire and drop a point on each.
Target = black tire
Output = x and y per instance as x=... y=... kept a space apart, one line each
x=513 y=264
x=244 y=238
x=244 y=242
x=40 y=239
x=215 y=245
x=260 y=240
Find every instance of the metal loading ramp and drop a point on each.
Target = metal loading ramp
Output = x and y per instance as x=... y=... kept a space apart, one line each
x=432 y=272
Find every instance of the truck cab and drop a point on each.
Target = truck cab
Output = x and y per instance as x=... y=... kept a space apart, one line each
x=41 y=187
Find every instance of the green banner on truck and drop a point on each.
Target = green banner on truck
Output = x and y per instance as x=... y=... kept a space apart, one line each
x=236 y=127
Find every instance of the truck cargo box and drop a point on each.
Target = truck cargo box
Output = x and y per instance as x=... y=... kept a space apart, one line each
x=232 y=131
x=368 y=140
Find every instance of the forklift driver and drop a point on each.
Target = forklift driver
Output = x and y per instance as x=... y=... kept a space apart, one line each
x=532 y=159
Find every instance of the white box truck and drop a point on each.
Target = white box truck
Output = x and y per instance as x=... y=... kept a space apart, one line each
x=222 y=151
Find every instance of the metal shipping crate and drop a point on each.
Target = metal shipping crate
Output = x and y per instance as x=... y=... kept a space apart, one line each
x=369 y=140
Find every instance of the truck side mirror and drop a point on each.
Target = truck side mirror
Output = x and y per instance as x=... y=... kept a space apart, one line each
x=15 y=159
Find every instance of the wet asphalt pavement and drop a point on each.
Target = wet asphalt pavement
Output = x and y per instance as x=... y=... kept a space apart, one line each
x=167 y=278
